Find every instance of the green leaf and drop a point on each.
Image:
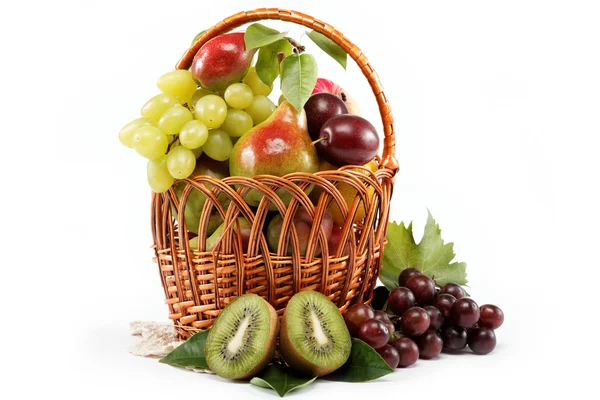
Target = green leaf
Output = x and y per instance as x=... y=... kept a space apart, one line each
x=281 y=379
x=364 y=364
x=198 y=35
x=431 y=256
x=329 y=47
x=298 y=78
x=267 y=63
x=190 y=353
x=258 y=35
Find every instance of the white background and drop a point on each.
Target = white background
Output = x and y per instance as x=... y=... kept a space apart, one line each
x=498 y=116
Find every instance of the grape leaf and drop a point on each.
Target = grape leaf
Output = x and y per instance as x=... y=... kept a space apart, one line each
x=267 y=63
x=365 y=364
x=258 y=35
x=329 y=47
x=431 y=256
x=281 y=379
x=189 y=354
x=298 y=78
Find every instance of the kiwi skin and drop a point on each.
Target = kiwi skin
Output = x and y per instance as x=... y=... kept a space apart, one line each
x=294 y=359
x=269 y=351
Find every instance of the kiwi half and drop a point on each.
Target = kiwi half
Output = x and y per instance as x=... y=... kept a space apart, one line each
x=314 y=339
x=242 y=340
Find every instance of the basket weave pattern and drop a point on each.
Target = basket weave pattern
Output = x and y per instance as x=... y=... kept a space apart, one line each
x=198 y=284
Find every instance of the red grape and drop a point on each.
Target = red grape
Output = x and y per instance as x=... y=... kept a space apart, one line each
x=390 y=355
x=381 y=315
x=348 y=139
x=407 y=350
x=356 y=315
x=453 y=289
x=490 y=316
x=455 y=337
x=374 y=333
x=482 y=340
x=406 y=274
x=435 y=316
x=465 y=313
x=444 y=302
x=415 y=321
x=430 y=344
x=320 y=108
x=400 y=300
x=422 y=287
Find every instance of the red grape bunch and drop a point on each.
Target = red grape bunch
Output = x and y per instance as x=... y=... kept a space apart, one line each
x=425 y=321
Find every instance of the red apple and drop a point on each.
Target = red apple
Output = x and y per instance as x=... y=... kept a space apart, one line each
x=325 y=85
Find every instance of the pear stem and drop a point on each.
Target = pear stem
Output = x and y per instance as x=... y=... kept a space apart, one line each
x=298 y=48
x=320 y=140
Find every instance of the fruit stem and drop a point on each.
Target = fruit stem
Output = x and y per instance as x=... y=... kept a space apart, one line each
x=298 y=48
x=319 y=140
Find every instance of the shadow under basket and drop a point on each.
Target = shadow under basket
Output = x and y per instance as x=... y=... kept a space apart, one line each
x=198 y=284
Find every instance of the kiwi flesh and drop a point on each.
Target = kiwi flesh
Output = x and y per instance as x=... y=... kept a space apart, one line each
x=242 y=340
x=314 y=339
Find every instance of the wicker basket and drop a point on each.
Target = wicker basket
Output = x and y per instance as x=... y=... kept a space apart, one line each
x=199 y=284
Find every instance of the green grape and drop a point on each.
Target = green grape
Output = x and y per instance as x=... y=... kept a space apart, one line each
x=150 y=142
x=174 y=119
x=218 y=146
x=156 y=106
x=193 y=134
x=239 y=95
x=178 y=83
x=197 y=152
x=258 y=87
x=181 y=162
x=237 y=123
x=261 y=109
x=200 y=93
x=211 y=110
x=126 y=133
x=159 y=178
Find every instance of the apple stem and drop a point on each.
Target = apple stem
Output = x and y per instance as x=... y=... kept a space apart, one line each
x=320 y=140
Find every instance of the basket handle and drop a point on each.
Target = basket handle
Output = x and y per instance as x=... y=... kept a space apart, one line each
x=388 y=160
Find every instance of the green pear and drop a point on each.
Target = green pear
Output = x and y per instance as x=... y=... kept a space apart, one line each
x=196 y=199
x=212 y=240
x=278 y=146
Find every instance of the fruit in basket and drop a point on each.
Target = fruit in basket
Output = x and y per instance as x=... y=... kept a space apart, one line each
x=159 y=178
x=237 y=123
x=174 y=119
x=258 y=87
x=193 y=134
x=218 y=145
x=303 y=223
x=314 y=339
x=327 y=86
x=211 y=110
x=154 y=108
x=211 y=241
x=221 y=61
x=278 y=146
x=320 y=108
x=181 y=162
x=126 y=133
x=349 y=193
x=239 y=95
x=150 y=142
x=242 y=341
x=348 y=139
x=196 y=199
x=260 y=109
x=179 y=84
